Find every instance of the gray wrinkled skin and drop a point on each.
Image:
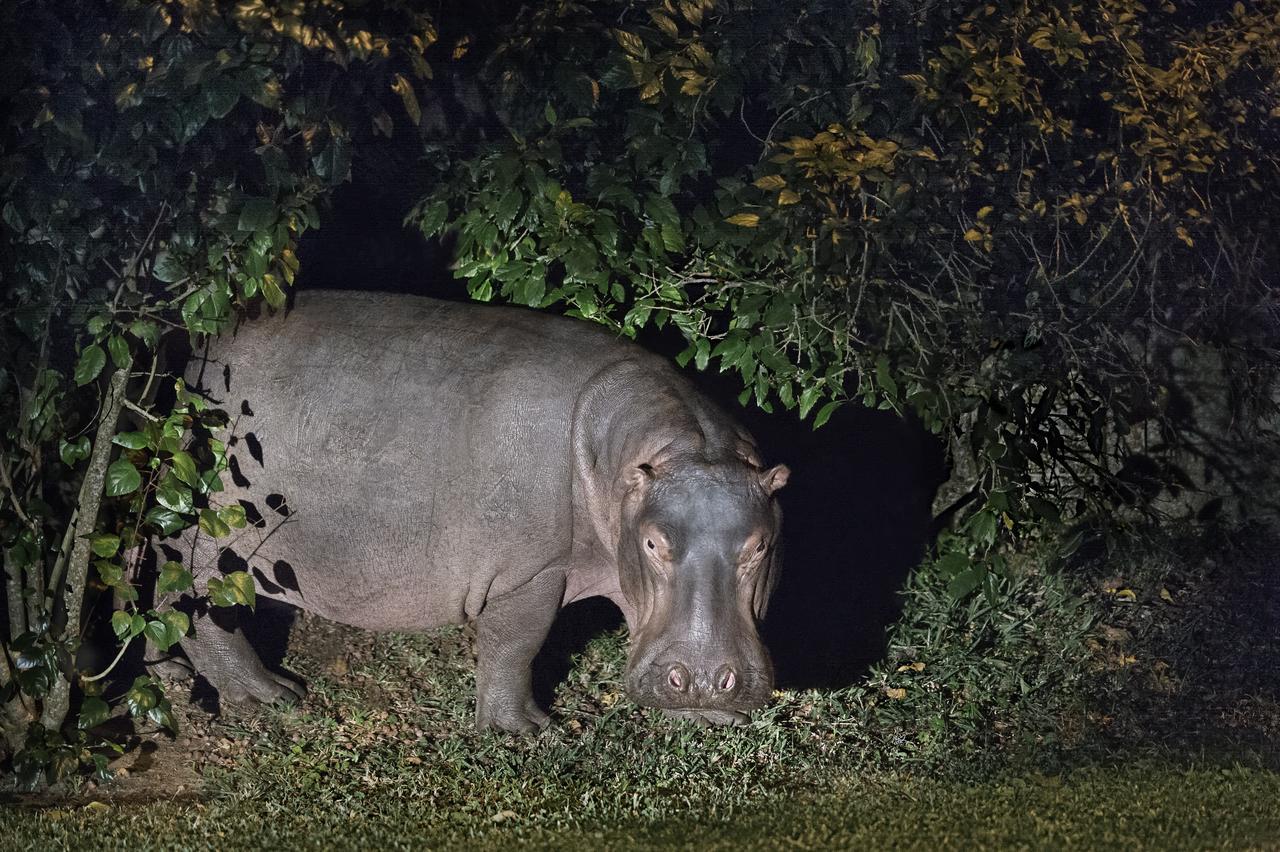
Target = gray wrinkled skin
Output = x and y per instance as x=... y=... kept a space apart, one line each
x=413 y=463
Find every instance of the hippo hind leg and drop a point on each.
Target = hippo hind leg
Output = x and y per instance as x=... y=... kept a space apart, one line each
x=218 y=650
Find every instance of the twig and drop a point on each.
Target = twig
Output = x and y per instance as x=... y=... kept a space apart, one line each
x=137 y=409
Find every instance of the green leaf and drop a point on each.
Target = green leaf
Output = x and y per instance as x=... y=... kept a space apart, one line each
x=93 y=711
x=158 y=633
x=146 y=331
x=173 y=578
x=884 y=379
x=333 y=163
x=808 y=398
x=119 y=349
x=257 y=214
x=824 y=414
x=110 y=573
x=165 y=520
x=221 y=94
x=184 y=467
x=701 y=354
x=73 y=451
x=212 y=525
x=120 y=624
x=433 y=219
x=1044 y=509
x=963 y=584
x=122 y=478
x=104 y=545
x=982 y=527
x=130 y=440
x=233 y=516
x=141 y=697
x=235 y=588
x=168 y=267
x=272 y=293
x=91 y=362
x=177 y=624
x=173 y=495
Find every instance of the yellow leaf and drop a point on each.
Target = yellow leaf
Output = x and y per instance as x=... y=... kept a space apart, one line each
x=651 y=89
x=401 y=86
x=769 y=182
x=665 y=23
x=1165 y=596
x=985 y=212
x=745 y=220
x=630 y=42
x=787 y=196
x=461 y=47
x=895 y=693
x=973 y=235
x=1184 y=236
x=912 y=667
x=1126 y=595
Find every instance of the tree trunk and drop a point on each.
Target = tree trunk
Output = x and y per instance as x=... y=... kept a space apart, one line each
x=71 y=590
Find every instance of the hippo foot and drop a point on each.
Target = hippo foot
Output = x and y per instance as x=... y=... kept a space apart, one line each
x=710 y=717
x=525 y=719
x=262 y=687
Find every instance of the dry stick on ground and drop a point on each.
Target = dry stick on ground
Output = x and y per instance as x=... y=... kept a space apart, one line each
x=59 y=698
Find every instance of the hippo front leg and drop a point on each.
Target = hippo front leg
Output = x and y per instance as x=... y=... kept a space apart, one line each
x=509 y=632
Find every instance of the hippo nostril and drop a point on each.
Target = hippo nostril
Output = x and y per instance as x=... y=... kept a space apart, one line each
x=678 y=677
x=726 y=679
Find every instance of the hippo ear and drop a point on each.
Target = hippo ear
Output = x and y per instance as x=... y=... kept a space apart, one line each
x=639 y=476
x=775 y=477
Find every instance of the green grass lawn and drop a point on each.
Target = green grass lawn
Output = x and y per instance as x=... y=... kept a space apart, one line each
x=1140 y=806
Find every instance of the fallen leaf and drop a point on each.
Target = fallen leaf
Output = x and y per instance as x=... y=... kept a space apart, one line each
x=895 y=693
x=912 y=667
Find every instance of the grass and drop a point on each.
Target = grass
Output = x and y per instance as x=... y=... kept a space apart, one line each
x=1122 y=807
x=1063 y=715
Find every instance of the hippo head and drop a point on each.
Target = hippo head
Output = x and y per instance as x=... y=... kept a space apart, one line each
x=698 y=556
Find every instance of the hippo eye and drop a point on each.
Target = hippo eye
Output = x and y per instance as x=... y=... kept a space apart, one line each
x=760 y=547
x=648 y=542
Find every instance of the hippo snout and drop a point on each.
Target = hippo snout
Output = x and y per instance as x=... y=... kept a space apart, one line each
x=713 y=686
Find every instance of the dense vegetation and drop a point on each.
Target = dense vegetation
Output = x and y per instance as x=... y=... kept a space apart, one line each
x=1042 y=229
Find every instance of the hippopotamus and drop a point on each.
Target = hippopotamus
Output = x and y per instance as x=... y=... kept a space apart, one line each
x=407 y=463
